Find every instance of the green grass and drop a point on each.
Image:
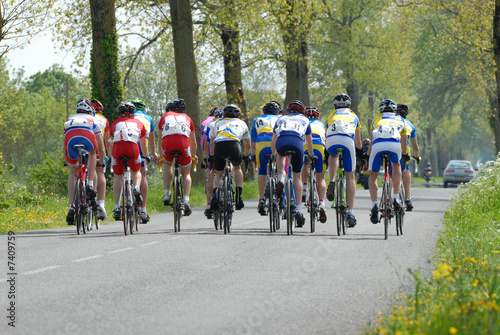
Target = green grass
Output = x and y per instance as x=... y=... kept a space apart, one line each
x=49 y=211
x=463 y=294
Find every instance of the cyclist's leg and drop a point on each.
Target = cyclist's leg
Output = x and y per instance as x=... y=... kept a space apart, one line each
x=262 y=150
x=91 y=167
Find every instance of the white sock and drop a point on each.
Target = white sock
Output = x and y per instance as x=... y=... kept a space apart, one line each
x=280 y=177
x=350 y=211
x=186 y=198
x=91 y=184
x=117 y=206
x=100 y=202
x=144 y=209
x=396 y=196
x=299 y=208
x=167 y=192
x=374 y=204
x=138 y=189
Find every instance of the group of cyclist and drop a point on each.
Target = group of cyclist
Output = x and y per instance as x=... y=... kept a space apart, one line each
x=224 y=135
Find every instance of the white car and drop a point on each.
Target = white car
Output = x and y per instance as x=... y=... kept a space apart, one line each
x=457 y=172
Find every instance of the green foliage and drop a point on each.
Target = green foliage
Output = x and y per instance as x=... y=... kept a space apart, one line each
x=463 y=295
x=51 y=177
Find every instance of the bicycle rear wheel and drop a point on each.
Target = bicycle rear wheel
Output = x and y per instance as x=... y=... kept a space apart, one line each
x=177 y=205
x=343 y=207
x=131 y=219
x=124 y=205
x=90 y=218
x=289 y=219
x=136 y=217
x=400 y=217
x=271 y=203
x=386 y=209
x=338 y=206
x=312 y=201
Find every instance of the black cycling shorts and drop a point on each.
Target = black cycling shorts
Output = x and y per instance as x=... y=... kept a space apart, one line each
x=231 y=149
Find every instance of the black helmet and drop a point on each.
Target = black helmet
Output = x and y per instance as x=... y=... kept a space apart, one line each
x=296 y=106
x=272 y=107
x=219 y=112
x=126 y=109
x=387 y=105
x=232 y=111
x=342 y=101
x=176 y=105
x=402 y=110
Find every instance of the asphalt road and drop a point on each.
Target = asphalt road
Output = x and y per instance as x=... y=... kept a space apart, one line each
x=200 y=281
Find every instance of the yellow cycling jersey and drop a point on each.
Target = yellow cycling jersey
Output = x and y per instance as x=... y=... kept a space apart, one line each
x=388 y=126
x=342 y=121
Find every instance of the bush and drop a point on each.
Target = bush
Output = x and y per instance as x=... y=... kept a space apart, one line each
x=51 y=177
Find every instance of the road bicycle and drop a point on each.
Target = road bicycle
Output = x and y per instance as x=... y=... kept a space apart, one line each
x=288 y=203
x=312 y=197
x=178 y=192
x=271 y=199
x=385 y=205
x=130 y=212
x=340 y=198
x=400 y=212
x=223 y=215
x=80 y=202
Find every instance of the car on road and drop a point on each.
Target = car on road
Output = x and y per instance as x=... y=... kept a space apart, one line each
x=457 y=172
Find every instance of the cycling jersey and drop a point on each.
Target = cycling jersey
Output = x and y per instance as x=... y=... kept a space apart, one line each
x=146 y=120
x=203 y=131
x=262 y=134
x=80 y=128
x=125 y=133
x=103 y=123
x=318 y=139
x=229 y=129
x=176 y=129
x=291 y=130
x=341 y=127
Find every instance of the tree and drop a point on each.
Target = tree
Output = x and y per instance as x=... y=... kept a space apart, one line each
x=185 y=63
x=20 y=21
x=104 y=73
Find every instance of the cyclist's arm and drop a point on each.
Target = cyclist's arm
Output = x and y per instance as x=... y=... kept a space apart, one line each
x=212 y=145
x=107 y=144
x=414 y=146
x=309 y=145
x=100 y=149
x=194 y=145
x=357 y=139
x=404 y=147
x=142 y=141
x=151 y=142
x=273 y=144
x=246 y=143
x=254 y=147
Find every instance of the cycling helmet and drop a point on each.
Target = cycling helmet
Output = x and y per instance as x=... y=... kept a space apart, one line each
x=232 y=111
x=84 y=106
x=126 y=109
x=296 y=106
x=139 y=105
x=387 y=105
x=367 y=141
x=272 y=107
x=342 y=101
x=176 y=105
x=98 y=107
x=219 y=112
x=402 y=110
x=312 y=113
x=212 y=111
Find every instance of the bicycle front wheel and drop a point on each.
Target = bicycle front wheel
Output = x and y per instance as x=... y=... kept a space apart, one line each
x=136 y=217
x=271 y=203
x=312 y=201
x=385 y=204
x=177 y=205
x=338 y=206
x=124 y=206
x=343 y=206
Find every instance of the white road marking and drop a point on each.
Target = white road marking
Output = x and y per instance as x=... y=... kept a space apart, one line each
x=40 y=270
x=119 y=250
x=85 y=258
x=150 y=243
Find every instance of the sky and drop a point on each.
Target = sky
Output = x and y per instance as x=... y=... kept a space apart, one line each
x=39 y=55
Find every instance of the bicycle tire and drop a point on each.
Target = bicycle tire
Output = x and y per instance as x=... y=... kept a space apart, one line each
x=270 y=199
x=90 y=218
x=124 y=206
x=312 y=200
x=385 y=202
x=131 y=220
x=96 y=220
x=289 y=219
x=77 y=208
x=338 y=205
x=176 y=204
x=400 y=217
x=343 y=196
x=224 y=199
x=136 y=217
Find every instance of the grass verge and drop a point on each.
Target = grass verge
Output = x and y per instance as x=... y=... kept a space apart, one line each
x=462 y=296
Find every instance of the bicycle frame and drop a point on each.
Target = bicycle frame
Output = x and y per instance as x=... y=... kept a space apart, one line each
x=178 y=192
x=385 y=206
x=129 y=214
x=80 y=195
x=340 y=199
x=288 y=203
x=270 y=195
x=312 y=198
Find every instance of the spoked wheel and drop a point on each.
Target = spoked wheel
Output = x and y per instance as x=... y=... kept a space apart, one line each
x=312 y=202
x=176 y=205
x=386 y=209
x=227 y=205
x=289 y=219
x=270 y=207
x=96 y=220
x=90 y=218
x=78 y=213
x=338 y=209
x=131 y=219
x=343 y=198
x=124 y=206
x=136 y=217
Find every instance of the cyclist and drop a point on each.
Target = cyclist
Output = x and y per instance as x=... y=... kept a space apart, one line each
x=126 y=134
x=103 y=123
x=218 y=112
x=203 y=133
x=343 y=132
x=318 y=138
x=225 y=138
x=261 y=136
x=388 y=135
x=177 y=134
x=148 y=123
x=289 y=133
x=412 y=145
x=81 y=128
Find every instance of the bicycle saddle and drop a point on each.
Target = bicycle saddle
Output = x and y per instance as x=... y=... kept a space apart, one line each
x=176 y=153
x=125 y=158
x=289 y=153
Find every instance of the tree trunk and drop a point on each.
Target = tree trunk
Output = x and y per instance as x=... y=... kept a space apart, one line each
x=496 y=48
x=185 y=63
x=232 y=68
x=297 y=71
x=353 y=92
x=104 y=73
